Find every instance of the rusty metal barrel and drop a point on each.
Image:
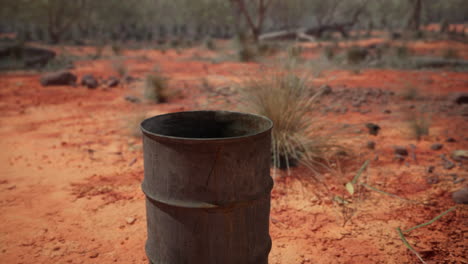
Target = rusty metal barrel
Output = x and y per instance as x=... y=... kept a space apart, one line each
x=207 y=185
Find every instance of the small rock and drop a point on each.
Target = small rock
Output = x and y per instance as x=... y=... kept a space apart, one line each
x=459 y=155
x=370 y=144
x=459 y=180
x=133 y=99
x=399 y=150
x=130 y=220
x=459 y=98
x=399 y=157
x=130 y=79
x=387 y=111
x=436 y=146
x=433 y=180
x=89 y=81
x=430 y=169
x=112 y=82
x=94 y=255
x=450 y=139
x=460 y=196
x=373 y=128
x=448 y=165
x=58 y=78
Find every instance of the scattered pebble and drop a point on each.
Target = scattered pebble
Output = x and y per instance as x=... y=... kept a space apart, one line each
x=436 y=146
x=130 y=220
x=460 y=196
x=89 y=81
x=399 y=150
x=430 y=169
x=94 y=255
x=450 y=139
x=133 y=99
x=373 y=128
x=112 y=82
x=432 y=180
x=371 y=145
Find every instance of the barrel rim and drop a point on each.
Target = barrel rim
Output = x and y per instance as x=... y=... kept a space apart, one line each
x=222 y=139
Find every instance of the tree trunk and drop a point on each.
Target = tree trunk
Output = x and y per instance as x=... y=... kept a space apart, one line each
x=414 y=21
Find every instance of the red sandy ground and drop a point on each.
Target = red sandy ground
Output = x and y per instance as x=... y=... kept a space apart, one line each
x=70 y=171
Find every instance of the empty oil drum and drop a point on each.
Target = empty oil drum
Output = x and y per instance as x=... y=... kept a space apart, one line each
x=207 y=185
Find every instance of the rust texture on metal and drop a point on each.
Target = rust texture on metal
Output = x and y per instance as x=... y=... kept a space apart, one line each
x=207 y=185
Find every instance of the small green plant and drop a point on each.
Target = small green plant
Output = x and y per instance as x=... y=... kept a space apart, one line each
x=355 y=55
x=450 y=53
x=156 y=87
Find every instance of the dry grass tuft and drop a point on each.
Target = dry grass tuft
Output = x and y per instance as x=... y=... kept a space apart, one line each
x=156 y=87
x=288 y=100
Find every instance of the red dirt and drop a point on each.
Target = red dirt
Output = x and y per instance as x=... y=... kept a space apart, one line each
x=71 y=170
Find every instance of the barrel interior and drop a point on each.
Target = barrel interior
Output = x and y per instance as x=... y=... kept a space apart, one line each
x=206 y=124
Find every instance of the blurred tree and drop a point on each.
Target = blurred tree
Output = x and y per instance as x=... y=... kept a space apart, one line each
x=254 y=12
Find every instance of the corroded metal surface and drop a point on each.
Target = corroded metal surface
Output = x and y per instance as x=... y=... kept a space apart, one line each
x=207 y=183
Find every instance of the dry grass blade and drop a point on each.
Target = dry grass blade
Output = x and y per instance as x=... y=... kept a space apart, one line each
x=407 y=244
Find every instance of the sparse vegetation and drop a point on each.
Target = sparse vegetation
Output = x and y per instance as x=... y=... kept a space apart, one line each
x=355 y=55
x=450 y=53
x=419 y=123
x=156 y=87
x=286 y=99
x=402 y=51
x=210 y=44
x=116 y=49
x=410 y=92
x=329 y=52
x=120 y=68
